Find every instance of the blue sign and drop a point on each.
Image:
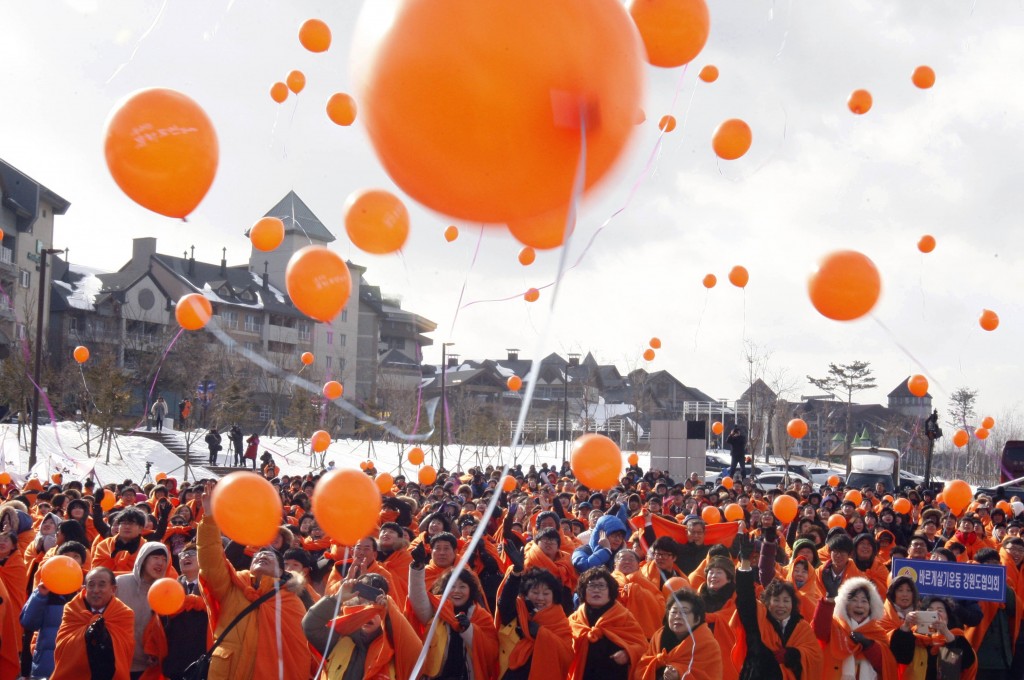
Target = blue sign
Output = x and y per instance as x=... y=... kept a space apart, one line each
x=954 y=579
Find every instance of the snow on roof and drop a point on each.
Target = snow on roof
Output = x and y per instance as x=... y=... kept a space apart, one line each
x=82 y=293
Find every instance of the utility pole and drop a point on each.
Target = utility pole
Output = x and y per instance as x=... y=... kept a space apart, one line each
x=444 y=404
x=39 y=352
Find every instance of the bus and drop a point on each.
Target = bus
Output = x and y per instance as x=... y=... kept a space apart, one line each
x=1012 y=464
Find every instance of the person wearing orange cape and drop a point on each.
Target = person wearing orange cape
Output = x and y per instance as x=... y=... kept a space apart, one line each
x=393 y=557
x=684 y=647
x=465 y=642
x=637 y=593
x=919 y=646
x=251 y=649
x=853 y=639
x=545 y=552
x=719 y=596
x=607 y=640
x=994 y=637
x=96 y=638
x=661 y=564
x=534 y=638
x=800 y=573
x=14 y=578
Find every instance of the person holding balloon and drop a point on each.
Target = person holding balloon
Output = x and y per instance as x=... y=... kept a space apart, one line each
x=43 y=613
x=150 y=565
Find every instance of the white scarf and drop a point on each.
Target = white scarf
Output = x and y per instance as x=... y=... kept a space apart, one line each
x=851 y=668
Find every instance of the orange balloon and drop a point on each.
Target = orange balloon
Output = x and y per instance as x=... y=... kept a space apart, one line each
x=926 y=244
x=1005 y=507
x=527 y=256
x=718 y=427
x=543 y=232
x=247 y=508
x=732 y=139
x=296 y=81
x=667 y=123
x=939 y=498
x=315 y=35
x=710 y=515
x=784 y=508
x=797 y=428
x=279 y=92
x=5 y=478
x=728 y=482
x=648 y=355
x=533 y=69
x=451 y=233
x=166 y=596
x=108 y=501
x=267 y=234
x=415 y=455
x=673 y=584
x=384 y=482
x=710 y=280
x=514 y=383
x=193 y=311
x=854 y=496
x=307 y=358
x=318 y=282
x=81 y=354
x=376 y=221
x=509 y=485
x=655 y=343
x=918 y=385
x=836 y=521
x=61 y=575
x=738 y=276
x=988 y=422
x=903 y=506
x=341 y=109
x=532 y=295
x=924 y=77
x=632 y=459
x=162 y=151
x=346 y=504
x=957 y=495
x=988 y=320
x=709 y=73
x=859 y=101
x=960 y=438
x=160 y=476
x=845 y=286
x=733 y=512
x=596 y=461
x=320 y=440
x=364 y=465
x=833 y=480
x=1 y=234
x=333 y=389
x=427 y=475
x=673 y=31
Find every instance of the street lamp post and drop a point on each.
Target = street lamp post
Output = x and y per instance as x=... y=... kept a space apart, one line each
x=39 y=351
x=574 y=360
x=444 y=403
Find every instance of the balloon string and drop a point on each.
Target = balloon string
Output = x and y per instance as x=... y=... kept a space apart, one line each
x=330 y=629
x=156 y=375
x=895 y=341
x=138 y=43
x=700 y=319
x=465 y=281
x=419 y=406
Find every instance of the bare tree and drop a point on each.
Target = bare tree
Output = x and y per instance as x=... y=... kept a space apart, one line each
x=766 y=384
x=962 y=414
x=846 y=379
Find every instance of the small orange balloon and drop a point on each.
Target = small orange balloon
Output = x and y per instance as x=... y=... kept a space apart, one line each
x=738 y=276
x=854 y=496
x=784 y=507
x=320 y=440
x=341 y=109
x=673 y=584
x=5 y=478
x=655 y=343
x=333 y=389
x=988 y=422
x=427 y=475
x=859 y=102
x=833 y=480
x=315 y=35
x=296 y=81
x=354 y=519
x=926 y=244
x=527 y=256
x=673 y=31
x=166 y=596
x=363 y=466
x=193 y=311
x=918 y=385
x=279 y=92
x=718 y=427
x=728 y=482
x=376 y=221
x=709 y=73
x=318 y=282
x=160 y=476
x=514 y=383
x=267 y=234
x=845 y=286
x=648 y=355
x=451 y=233
x=733 y=512
x=247 y=508
x=710 y=515
x=509 y=485
x=957 y=494
x=960 y=438
x=903 y=506
x=924 y=77
x=633 y=459
x=307 y=358
x=732 y=139
x=797 y=428
x=415 y=455
x=532 y=295
x=667 y=123
x=988 y=320
x=384 y=482
x=710 y=280
x=81 y=354
x=108 y=501
x=61 y=574
x=596 y=461
x=543 y=232
x=836 y=521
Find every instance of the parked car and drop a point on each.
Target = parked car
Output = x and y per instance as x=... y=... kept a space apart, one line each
x=752 y=470
x=1004 y=491
x=770 y=480
x=871 y=465
x=820 y=474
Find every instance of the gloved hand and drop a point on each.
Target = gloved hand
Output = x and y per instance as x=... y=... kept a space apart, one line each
x=419 y=556
x=792 y=658
x=463 y=621
x=859 y=639
x=770 y=534
x=97 y=635
x=534 y=628
x=515 y=556
x=742 y=545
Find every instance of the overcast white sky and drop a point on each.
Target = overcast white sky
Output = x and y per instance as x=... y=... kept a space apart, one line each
x=946 y=161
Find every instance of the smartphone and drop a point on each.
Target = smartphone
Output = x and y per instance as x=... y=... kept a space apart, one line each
x=368 y=593
x=927 y=618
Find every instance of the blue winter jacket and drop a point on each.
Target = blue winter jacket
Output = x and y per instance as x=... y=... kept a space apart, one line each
x=593 y=555
x=43 y=613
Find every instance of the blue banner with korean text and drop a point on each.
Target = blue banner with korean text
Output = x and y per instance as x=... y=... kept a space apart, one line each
x=953 y=579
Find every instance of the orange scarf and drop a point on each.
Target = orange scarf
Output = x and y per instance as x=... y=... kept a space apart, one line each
x=551 y=649
x=562 y=568
x=617 y=625
x=643 y=599
x=802 y=639
x=71 y=661
x=384 y=653
x=810 y=594
x=720 y=621
x=695 y=650
x=841 y=646
x=653 y=574
x=482 y=652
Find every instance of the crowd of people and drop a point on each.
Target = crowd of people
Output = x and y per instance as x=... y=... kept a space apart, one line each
x=645 y=581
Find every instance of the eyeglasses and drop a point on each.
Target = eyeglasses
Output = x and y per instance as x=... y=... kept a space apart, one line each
x=658 y=554
x=597 y=585
x=187 y=553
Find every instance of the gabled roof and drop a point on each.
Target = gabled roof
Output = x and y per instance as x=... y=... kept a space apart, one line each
x=902 y=390
x=758 y=389
x=73 y=287
x=208 y=279
x=396 y=357
x=298 y=218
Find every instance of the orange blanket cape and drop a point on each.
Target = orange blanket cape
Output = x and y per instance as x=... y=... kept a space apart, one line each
x=811 y=592
x=696 y=658
x=70 y=659
x=14 y=578
x=617 y=625
x=720 y=623
x=653 y=574
x=399 y=652
x=484 y=651
x=802 y=639
x=841 y=646
x=562 y=568
x=551 y=649
x=643 y=599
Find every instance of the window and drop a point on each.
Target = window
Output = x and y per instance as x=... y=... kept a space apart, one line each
x=328 y=363
x=344 y=315
x=253 y=323
x=330 y=337
x=251 y=346
x=230 y=318
x=73 y=324
x=341 y=365
x=264 y=412
x=341 y=339
x=304 y=330
x=25 y=278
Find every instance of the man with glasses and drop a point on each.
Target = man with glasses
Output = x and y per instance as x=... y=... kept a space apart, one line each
x=661 y=564
x=188 y=632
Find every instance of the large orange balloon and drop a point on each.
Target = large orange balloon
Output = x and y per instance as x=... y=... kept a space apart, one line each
x=859 y=102
x=926 y=244
x=845 y=286
x=333 y=389
x=673 y=584
x=166 y=596
x=296 y=81
x=739 y=276
x=346 y=503
x=162 y=151
x=957 y=495
x=784 y=508
x=5 y=478
x=475 y=108
x=728 y=482
x=318 y=282
x=108 y=501
x=596 y=461
x=415 y=455
x=307 y=358
x=903 y=506
x=797 y=428
x=81 y=354
x=836 y=521
x=833 y=480
x=320 y=440
x=376 y=221
x=384 y=482
x=315 y=35
x=509 y=485
x=710 y=515
x=61 y=574
x=733 y=512
x=709 y=73
x=514 y=383
x=341 y=109
x=988 y=422
x=710 y=280
x=267 y=234
x=543 y=232
x=732 y=139
x=923 y=77
x=673 y=31
x=633 y=459
x=854 y=496
x=279 y=92
x=988 y=320
x=960 y=438
x=527 y=256
x=193 y=311
x=427 y=475
x=718 y=427
x=918 y=385
x=247 y=508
